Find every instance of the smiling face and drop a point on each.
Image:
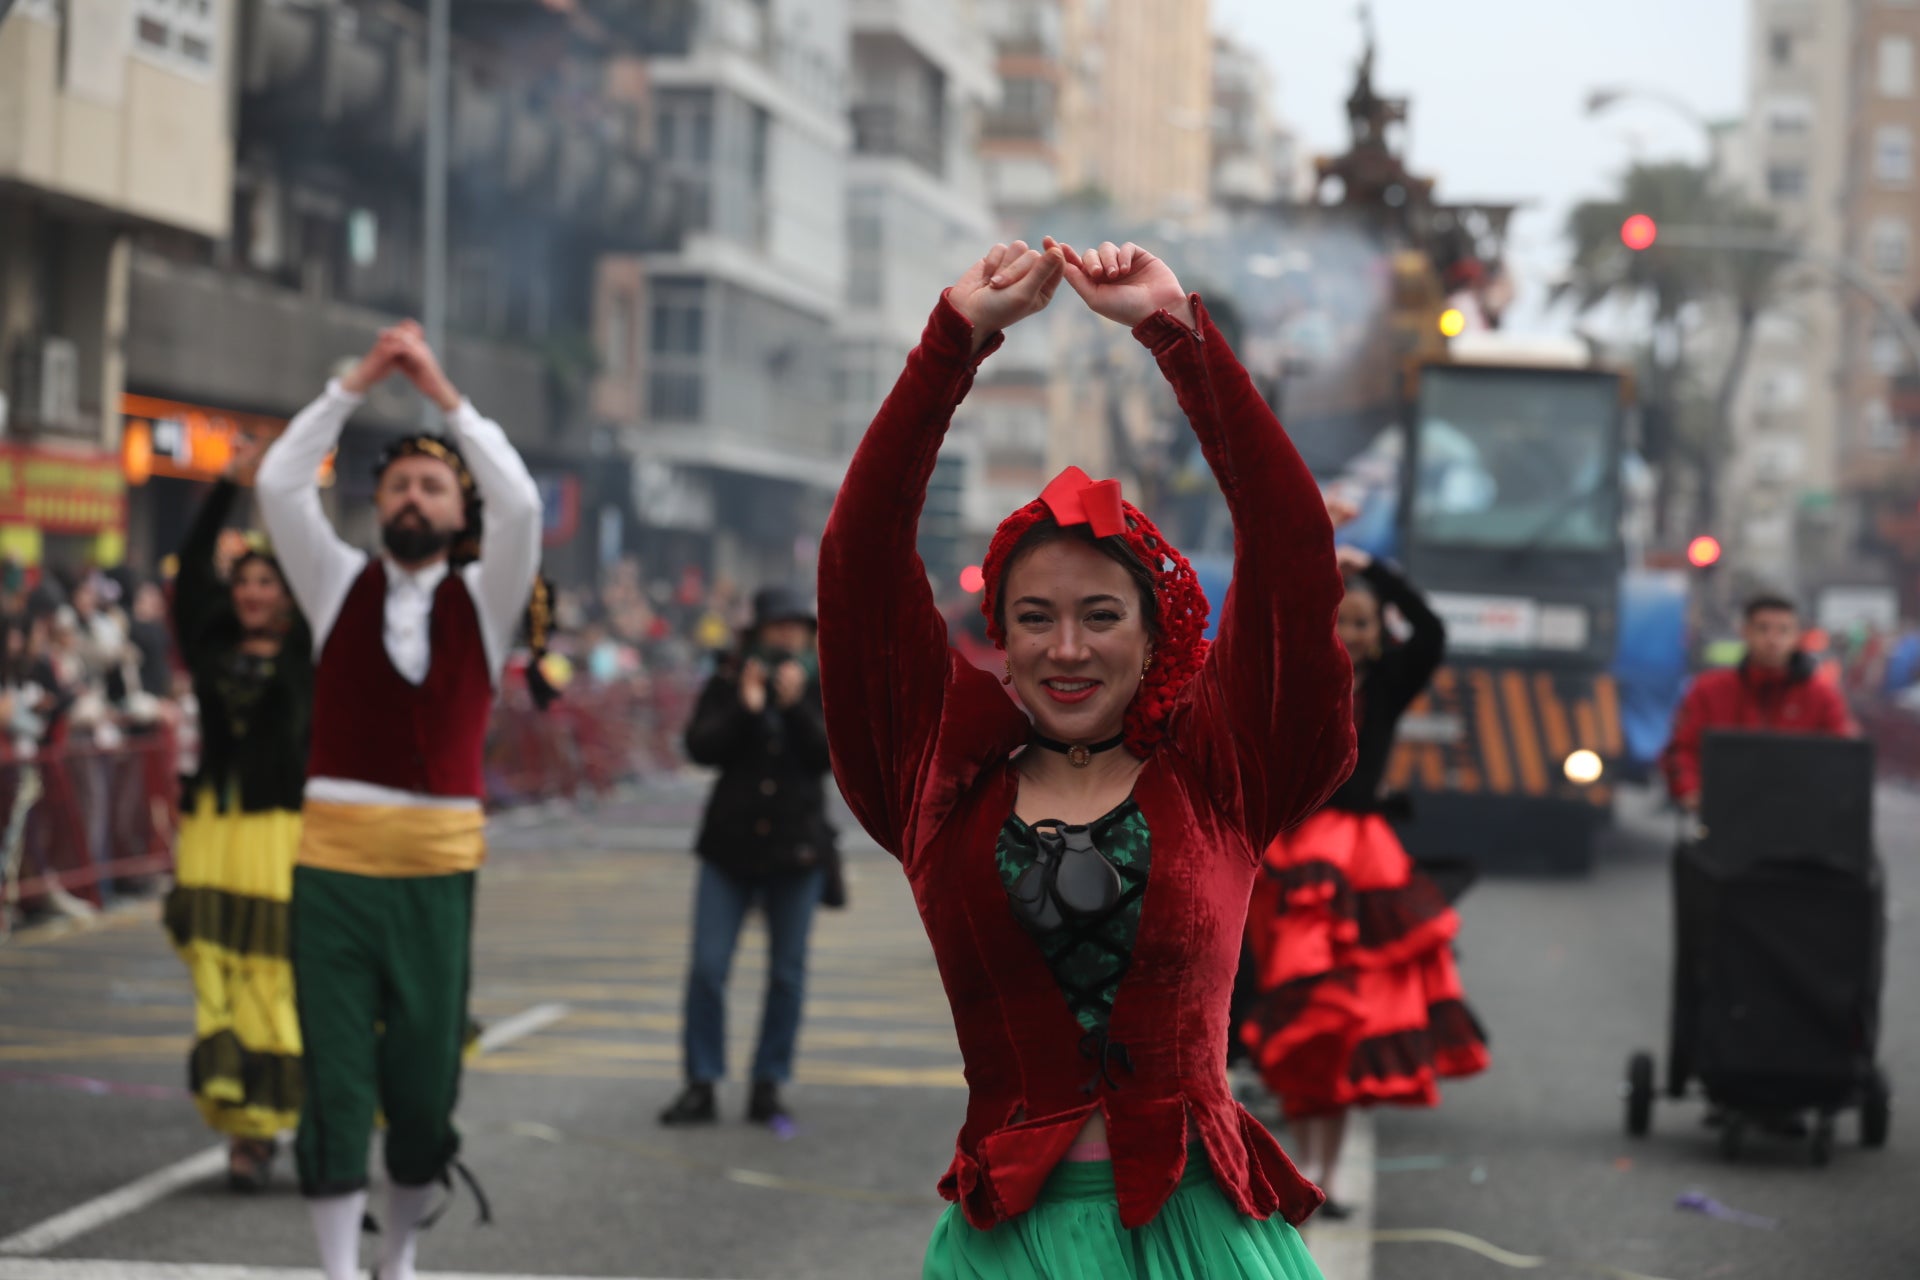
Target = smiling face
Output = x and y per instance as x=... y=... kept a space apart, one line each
x=1078 y=635
x=1358 y=624
x=260 y=599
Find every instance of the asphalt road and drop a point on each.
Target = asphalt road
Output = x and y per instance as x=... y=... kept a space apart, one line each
x=1532 y=1157
x=581 y=952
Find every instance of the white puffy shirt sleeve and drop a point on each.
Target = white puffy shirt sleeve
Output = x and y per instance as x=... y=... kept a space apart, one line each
x=502 y=579
x=319 y=565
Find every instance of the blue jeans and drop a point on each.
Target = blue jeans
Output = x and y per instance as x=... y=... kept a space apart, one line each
x=720 y=907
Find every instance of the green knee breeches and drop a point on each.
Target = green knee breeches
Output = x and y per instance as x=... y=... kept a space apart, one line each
x=381 y=969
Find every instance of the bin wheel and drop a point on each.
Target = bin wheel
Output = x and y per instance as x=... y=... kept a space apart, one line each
x=1639 y=1094
x=1876 y=1110
x=1733 y=1135
x=1821 y=1148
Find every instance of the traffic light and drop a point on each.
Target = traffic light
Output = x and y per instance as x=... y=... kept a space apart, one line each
x=1704 y=551
x=1639 y=232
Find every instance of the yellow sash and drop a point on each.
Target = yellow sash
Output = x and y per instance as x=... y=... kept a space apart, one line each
x=391 y=840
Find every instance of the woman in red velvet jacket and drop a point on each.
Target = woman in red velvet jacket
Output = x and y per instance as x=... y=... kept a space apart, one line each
x=1083 y=874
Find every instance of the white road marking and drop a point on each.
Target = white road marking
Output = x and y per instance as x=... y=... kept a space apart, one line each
x=132 y=1198
x=158 y=1185
x=521 y=1025
x=80 y=1269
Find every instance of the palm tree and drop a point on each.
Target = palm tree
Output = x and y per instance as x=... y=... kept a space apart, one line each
x=1678 y=283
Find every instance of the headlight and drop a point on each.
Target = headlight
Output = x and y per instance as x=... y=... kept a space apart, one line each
x=1583 y=768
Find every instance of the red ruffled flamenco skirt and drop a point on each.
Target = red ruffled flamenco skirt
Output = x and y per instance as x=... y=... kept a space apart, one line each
x=1360 y=1000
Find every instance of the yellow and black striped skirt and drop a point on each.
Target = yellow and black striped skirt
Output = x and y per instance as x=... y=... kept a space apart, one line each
x=228 y=918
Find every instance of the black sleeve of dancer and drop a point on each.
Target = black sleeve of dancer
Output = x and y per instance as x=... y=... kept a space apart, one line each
x=199 y=597
x=719 y=725
x=1407 y=667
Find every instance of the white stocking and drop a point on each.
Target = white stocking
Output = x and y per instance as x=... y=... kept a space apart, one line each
x=336 y=1225
x=400 y=1234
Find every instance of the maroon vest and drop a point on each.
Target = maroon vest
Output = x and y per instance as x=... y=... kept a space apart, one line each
x=371 y=725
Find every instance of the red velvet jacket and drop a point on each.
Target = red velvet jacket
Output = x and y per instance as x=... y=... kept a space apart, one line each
x=1796 y=700
x=921 y=738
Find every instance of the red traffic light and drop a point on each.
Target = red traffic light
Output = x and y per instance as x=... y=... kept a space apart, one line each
x=1703 y=551
x=972 y=580
x=1639 y=232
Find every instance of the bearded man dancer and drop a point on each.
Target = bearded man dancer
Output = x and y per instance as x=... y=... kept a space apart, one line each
x=408 y=649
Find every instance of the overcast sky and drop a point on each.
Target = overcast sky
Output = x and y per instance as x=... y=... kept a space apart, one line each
x=1499 y=90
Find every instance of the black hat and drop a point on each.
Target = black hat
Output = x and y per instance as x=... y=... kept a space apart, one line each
x=782 y=604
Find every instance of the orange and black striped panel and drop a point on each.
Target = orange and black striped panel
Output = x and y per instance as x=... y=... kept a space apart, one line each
x=1506 y=731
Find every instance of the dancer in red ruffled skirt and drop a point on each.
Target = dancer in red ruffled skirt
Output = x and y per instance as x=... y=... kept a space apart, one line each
x=1360 y=1001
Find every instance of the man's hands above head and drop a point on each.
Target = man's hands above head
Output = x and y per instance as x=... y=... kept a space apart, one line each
x=403 y=349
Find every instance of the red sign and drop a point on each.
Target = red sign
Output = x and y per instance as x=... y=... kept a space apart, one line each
x=61 y=492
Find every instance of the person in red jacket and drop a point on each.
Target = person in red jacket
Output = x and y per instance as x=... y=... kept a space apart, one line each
x=1083 y=866
x=1775 y=688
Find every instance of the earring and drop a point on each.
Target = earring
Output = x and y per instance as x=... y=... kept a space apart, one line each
x=1146 y=666
x=1008 y=678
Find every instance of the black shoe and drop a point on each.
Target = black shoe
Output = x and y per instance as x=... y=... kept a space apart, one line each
x=694 y=1106
x=1334 y=1211
x=764 y=1106
x=250 y=1164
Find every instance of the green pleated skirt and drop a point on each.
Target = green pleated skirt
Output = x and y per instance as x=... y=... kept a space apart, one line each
x=1074 y=1233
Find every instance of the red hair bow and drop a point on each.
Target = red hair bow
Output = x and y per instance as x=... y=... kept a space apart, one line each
x=1074 y=498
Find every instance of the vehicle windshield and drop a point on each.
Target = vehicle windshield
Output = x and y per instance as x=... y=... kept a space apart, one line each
x=1517 y=459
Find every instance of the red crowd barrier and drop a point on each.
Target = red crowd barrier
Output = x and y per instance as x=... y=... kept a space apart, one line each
x=80 y=818
x=589 y=741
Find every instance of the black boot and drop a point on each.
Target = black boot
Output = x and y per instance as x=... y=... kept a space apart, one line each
x=764 y=1106
x=694 y=1106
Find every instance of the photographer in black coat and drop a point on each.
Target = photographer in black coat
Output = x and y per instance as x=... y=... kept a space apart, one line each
x=765 y=839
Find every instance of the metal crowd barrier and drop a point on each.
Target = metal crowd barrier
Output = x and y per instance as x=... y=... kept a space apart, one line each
x=594 y=738
x=75 y=820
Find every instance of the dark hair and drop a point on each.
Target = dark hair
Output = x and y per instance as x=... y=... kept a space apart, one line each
x=14 y=669
x=1768 y=602
x=1048 y=531
x=253 y=555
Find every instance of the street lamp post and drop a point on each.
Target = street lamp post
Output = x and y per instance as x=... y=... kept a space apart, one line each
x=433 y=302
x=433 y=314
x=1601 y=99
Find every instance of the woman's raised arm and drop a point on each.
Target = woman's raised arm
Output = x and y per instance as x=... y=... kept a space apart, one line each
x=886 y=670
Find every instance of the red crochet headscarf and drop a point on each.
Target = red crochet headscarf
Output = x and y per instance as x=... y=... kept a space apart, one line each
x=1074 y=499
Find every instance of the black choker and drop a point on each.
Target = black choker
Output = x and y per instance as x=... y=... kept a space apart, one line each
x=1078 y=756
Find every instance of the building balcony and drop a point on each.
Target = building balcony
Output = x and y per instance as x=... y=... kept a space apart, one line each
x=355 y=93
x=881 y=129
x=1019 y=126
x=224 y=340
x=937 y=31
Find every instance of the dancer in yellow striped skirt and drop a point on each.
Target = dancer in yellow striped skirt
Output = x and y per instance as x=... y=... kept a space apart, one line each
x=251 y=658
